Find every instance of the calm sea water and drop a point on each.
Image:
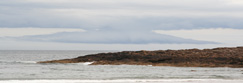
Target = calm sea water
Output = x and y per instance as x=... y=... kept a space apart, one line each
x=21 y=66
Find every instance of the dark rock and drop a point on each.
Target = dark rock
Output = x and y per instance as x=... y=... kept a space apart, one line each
x=217 y=57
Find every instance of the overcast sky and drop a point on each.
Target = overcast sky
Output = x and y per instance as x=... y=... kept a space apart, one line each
x=119 y=24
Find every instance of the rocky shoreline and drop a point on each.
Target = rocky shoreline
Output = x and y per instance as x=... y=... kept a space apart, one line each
x=217 y=57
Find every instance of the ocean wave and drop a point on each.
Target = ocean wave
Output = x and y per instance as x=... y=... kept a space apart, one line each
x=85 y=63
x=27 y=62
x=127 y=81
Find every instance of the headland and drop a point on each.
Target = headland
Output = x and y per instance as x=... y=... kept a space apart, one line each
x=216 y=57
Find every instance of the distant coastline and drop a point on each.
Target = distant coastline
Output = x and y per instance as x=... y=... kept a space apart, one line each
x=216 y=57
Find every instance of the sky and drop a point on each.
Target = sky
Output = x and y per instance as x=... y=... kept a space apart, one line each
x=120 y=24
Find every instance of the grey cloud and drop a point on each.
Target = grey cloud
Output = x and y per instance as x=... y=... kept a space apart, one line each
x=119 y=21
x=120 y=14
x=46 y=20
x=124 y=4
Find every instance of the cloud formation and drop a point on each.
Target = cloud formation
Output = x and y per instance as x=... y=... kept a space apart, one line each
x=122 y=14
x=120 y=21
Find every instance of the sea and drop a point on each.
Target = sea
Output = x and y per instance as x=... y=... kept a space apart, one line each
x=20 y=66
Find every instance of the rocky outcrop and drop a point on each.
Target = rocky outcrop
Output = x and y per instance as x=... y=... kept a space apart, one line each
x=217 y=57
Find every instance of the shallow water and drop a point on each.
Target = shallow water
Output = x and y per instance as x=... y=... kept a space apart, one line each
x=21 y=66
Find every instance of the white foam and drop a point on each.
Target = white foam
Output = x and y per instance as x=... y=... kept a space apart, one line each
x=18 y=61
x=26 y=61
x=85 y=63
x=127 y=81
